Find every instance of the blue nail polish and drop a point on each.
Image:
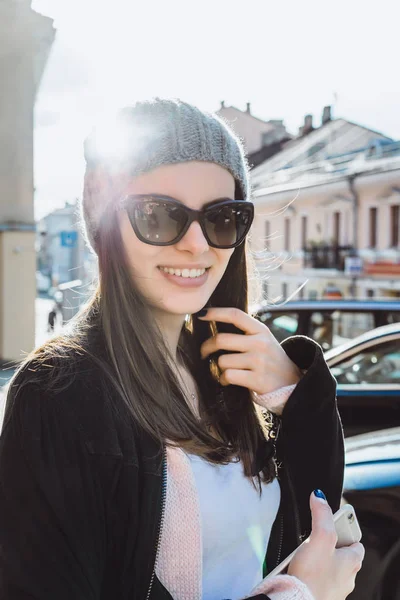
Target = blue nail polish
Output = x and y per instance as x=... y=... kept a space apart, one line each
x=319 y=494
x=201 y=313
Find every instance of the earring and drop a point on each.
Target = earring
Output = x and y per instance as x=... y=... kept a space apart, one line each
x=189 y=323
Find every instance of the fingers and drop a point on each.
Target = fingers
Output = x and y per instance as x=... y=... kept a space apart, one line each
x=353 y=555
x=323 y=527
x=319 y=564
x=351 y=559
x=225 y=341
x=235 y=316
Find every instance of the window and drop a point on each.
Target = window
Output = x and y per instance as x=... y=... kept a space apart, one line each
x=303 y=231
x=281 y=325
x=321 y=329
x=394 y=225
x=287 y=235
x=331 y=329
x=336 y=228
x=393 y=317
x=373 y=224
x=379 y=364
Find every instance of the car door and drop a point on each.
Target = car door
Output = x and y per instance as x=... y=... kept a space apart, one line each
x=368 y=391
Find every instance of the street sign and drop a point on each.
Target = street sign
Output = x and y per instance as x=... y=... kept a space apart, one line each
x=353 y=265
x=69 y=239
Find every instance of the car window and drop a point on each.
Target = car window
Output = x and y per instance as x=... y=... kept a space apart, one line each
x=393 y=317
x=331 y=329
x=379 y=364
x=282 y=325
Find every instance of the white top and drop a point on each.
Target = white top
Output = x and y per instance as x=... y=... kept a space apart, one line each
x=236 y=526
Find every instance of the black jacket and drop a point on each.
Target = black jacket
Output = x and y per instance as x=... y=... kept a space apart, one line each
x=81 y=486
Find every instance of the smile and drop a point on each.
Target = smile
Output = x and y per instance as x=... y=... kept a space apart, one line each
x=187 y=273
x=185 y=278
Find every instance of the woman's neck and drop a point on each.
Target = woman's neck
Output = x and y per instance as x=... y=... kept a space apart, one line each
x=189 y=388
x=171 y=329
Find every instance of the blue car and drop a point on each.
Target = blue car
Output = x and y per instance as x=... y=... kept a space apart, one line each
x=372 y=486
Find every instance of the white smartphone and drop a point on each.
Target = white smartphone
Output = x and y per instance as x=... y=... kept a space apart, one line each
x=347 y=529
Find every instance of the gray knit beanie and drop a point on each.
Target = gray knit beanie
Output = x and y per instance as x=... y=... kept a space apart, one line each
x=145 y=136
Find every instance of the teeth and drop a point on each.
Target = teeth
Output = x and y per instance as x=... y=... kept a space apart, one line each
x=190 y=273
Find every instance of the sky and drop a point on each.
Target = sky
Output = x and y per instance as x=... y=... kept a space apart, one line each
x=287 y=58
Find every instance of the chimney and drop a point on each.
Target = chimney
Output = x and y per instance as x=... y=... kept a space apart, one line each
x=308 y=125
x=326 y=114
x=222 y=103
x=248 y=108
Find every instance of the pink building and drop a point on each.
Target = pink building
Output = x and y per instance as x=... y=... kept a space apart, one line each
x=255 y=132
x=328 y=212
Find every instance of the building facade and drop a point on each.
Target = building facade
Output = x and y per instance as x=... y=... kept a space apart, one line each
x=328 y=213
x=61 y=250
x=255 y=133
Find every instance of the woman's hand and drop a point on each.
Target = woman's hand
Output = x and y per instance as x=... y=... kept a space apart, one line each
x=261 y=364
x=328 y=572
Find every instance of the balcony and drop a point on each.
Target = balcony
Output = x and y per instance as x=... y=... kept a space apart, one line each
x=326 y=257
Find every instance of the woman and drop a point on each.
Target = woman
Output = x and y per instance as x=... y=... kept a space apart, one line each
x=127 y=470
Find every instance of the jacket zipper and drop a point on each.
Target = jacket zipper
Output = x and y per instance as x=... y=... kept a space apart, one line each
x=278 y=560
x=296 y=520
x=162 y=518
x=274 y=433
x=295 y=509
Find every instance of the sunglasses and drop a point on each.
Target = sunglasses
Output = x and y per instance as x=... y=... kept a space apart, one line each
x=163 y=221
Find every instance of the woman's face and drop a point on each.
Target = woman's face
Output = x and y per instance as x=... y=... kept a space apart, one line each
x=194 y=184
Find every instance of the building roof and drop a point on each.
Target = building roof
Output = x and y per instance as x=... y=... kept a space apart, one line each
x=336 y=137
x=259 y=156
x=380 y=156
x=226 y=109
x=69 y=210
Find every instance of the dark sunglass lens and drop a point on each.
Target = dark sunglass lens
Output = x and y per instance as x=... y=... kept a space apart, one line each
x=227 y=225
x=158 y=221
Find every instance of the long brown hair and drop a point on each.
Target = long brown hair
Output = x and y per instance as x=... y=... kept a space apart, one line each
x=137 y=363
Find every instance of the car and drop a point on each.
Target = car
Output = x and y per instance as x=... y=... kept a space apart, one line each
x=329 y=322
x=367 y=372
x=372 y=487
